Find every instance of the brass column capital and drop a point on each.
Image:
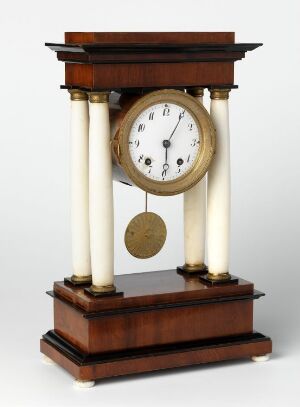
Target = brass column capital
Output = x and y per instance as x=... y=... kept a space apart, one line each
x=196 y=92
x=219 y=94
x=99 y=97
x=77 y=95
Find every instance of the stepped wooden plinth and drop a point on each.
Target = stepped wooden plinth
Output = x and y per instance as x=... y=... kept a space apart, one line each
x=156 y=320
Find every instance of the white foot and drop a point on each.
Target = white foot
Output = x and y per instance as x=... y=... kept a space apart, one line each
x=262 y=358
x=84 y=384
x=48 y=361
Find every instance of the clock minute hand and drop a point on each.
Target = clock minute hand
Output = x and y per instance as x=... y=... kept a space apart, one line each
x=180 y=117
x=166 y=144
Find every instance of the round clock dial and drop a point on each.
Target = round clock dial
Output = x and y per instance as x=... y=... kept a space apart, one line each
x=165 y=142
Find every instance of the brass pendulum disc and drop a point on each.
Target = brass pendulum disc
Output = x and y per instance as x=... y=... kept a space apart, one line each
x=145 y=235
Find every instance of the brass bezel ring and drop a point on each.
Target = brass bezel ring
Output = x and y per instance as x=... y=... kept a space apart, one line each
x=204 y=156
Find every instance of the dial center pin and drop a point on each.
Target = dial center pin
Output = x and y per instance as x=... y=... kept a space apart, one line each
x=166 y=143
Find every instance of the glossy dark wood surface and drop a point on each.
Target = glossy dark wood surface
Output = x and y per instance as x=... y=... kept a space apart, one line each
x=120 y=61
x=149 y=37
x=152 y=288
x=111 y=57
x=122 y=76
x=154 y=309
x=148 y=327
x=102 y=366
x=163 y=319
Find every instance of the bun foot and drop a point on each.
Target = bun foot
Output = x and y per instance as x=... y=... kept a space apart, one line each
x=262 y=358
x=47 y=360
x=84 y=384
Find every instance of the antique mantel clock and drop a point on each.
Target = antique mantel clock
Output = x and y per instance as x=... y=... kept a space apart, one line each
x=137 y=117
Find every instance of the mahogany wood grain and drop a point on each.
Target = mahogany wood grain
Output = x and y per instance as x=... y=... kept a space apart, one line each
x=162 y=319
x=152 y=361
x=138 y=329
x=68 y=323
x=80 y=75
x=116 y=76
x=120 y=61
x=149 y=37
x=156 y=308
x=152 y=288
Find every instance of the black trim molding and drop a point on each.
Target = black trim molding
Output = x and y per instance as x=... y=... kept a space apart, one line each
x=82 y=359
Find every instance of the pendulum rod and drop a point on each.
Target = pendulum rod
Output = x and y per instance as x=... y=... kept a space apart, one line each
x=146 y=202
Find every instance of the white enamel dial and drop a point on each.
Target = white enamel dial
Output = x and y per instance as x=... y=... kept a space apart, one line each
x=164 y=141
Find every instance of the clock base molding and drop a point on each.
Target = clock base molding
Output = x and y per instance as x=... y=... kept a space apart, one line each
x=101 y=366
x=160 y=320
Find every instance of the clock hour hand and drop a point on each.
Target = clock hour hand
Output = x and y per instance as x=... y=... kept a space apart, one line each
x=165 y=165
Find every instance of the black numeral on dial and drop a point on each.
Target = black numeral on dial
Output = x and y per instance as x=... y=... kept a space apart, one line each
x=141 y=127
x=194 y=142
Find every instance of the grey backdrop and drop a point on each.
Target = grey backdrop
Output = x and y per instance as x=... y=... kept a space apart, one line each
x=34 y=205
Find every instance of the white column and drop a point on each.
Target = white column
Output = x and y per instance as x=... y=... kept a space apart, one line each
x=79 y=187
x=194 y=203
x=101 y=195
x=218 y=191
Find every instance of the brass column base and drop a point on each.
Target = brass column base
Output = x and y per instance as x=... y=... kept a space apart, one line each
x=195 y=268
x=101 y=291
x=103 y=288
x=220 y=278
x=78 y=280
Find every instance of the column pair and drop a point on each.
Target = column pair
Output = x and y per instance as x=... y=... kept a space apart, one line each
x=207 y=207
x=92 y=196
x=92 y=219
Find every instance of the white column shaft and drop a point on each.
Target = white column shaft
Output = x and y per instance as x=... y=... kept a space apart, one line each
x=79 y=188
x=218 y=192
x=101 y=197
x=195 y=222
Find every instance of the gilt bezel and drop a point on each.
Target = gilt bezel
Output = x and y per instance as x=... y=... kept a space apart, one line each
x=202 y=160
